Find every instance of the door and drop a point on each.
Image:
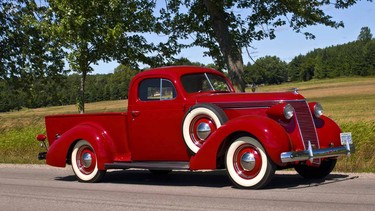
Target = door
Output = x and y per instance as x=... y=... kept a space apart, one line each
x=156 y=118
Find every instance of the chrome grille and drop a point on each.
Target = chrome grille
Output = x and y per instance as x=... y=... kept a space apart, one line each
x=306 y=123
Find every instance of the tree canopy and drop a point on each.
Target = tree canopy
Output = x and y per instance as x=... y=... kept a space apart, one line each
x=105 y=30
x=352 y=59
x=29 y=58
x=37 y=38
x=226 y=27
x=365 y=34
x=267 y=70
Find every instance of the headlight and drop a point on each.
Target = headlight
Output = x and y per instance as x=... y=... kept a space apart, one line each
x=282 y=111
x=288 y=111
x=318 y=110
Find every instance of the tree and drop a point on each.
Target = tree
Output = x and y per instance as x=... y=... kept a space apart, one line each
x=369 y=56
x=365 y=34
x=267 y=70
x=225 y=27
x=29 y=59
x=120 y=82
x=105 y=30
x=355 y=58
x=294 y=68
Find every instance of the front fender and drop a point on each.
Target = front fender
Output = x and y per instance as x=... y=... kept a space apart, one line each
x=269 y=133
x=328 y=132
x=96 y=136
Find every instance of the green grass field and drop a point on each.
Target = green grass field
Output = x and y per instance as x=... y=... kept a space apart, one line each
x=349 y=101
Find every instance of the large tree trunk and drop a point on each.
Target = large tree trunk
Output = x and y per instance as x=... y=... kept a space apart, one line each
x=229 y=49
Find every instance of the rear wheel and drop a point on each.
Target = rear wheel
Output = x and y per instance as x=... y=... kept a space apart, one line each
x=317 y=172
x=84 y=163
x=247 y=163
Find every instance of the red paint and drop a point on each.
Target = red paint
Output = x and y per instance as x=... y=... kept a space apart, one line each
x=152 y=130
x=41 y=137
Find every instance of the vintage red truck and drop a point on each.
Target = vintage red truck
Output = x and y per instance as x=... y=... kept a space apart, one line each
x=191 y=118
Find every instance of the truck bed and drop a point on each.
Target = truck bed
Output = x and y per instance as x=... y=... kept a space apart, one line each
x=113 y=124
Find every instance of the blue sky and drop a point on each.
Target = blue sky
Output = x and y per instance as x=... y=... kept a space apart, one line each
x=289 y=44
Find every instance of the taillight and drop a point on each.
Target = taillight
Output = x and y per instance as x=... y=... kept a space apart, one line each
x=42 y=138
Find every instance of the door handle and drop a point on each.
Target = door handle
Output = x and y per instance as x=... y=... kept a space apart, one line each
x=136 y=113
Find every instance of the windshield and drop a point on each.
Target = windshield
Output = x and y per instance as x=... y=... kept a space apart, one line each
x=204 y=82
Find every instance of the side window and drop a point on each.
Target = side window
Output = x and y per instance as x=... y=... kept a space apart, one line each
x=156 y=89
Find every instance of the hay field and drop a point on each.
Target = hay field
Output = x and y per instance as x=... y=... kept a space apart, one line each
x=343 y=99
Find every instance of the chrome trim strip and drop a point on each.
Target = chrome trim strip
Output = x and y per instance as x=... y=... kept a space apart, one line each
x=247 y=108
x=311 y=154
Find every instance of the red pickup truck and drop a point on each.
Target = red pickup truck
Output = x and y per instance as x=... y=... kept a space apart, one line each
x=190 y=118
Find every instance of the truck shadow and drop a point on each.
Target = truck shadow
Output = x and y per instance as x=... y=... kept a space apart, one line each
x=294 y=181
x=215 y=179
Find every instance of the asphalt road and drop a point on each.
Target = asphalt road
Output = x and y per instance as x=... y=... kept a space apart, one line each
x=37 y=187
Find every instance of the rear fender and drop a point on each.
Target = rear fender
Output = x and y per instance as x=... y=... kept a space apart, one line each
x=268 y=132
x=98 y=138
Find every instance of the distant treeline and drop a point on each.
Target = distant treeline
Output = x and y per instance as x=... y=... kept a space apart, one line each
x=64 y=90
x=352 y=59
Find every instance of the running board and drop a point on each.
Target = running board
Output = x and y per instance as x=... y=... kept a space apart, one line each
x=149 y=165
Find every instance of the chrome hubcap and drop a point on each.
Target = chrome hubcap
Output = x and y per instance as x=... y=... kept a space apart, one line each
x=86 y=160
x=248 y=161
x=203 y=130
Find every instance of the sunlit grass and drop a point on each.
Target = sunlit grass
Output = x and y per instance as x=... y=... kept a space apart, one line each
x=18 y=145
x=18 y=129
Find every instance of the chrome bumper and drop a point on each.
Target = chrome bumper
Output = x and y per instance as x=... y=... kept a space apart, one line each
x=311 y=153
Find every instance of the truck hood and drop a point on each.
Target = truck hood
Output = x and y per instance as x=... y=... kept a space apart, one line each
x=238 y=100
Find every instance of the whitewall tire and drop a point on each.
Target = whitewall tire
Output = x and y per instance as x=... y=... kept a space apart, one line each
x=199 y=123
x=84 y=163
x=247 y=163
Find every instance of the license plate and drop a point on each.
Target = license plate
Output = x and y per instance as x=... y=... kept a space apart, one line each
x=346 y=137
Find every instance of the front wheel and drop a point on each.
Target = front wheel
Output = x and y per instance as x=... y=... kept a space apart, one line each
x=84 y=163
x=316 y=172
x=247 y=164
x=199 y=123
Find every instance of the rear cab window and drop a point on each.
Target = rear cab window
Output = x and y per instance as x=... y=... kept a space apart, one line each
x=156 y=89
